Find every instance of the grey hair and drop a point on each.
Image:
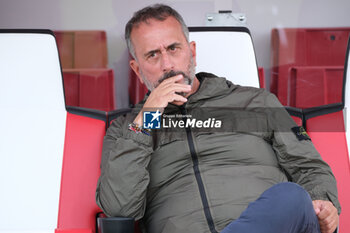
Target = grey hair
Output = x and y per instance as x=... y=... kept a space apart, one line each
x=159 y=12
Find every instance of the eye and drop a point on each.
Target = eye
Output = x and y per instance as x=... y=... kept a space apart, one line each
x=152 y=55
x=172 y=48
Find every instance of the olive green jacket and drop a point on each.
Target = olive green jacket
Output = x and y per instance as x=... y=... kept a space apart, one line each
x=200 y=179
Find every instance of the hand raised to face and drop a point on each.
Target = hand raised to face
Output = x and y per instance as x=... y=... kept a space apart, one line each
x=166 y=92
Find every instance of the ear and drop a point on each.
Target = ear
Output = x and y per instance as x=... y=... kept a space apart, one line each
x=136 y=68
x=193 y=50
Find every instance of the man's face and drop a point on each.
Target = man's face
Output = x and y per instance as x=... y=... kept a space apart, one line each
x=162 y=51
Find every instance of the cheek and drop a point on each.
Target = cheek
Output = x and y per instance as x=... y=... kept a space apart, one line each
x=185 y=62
x=151 y=72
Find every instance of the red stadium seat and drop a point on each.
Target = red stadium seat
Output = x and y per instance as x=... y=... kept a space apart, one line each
x=293 y=47
x=82 y=49
x=325 y=126
x=80 y=170
x=90 y=88
x=137 y=90
x=312 y=86
x=88 y=82
x=52 y=175
x=297 y=120
x=327 y=133
x=296 y=114
x=31 y=86
x=325 y=123
x=74 y=231
x=261 y=77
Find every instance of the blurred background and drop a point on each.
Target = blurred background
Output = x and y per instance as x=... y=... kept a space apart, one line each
x=111 y=16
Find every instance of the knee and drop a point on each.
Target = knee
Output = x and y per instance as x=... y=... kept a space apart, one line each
x=291 y=194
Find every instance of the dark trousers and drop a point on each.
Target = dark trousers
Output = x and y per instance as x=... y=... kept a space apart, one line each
x=283 y=208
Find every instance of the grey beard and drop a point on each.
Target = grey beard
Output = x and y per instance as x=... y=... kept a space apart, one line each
x=172 y=73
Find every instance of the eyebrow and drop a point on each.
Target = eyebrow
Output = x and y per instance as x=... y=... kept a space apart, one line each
x=175 y=44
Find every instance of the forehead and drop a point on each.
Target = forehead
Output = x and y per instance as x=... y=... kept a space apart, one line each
x=152 y=34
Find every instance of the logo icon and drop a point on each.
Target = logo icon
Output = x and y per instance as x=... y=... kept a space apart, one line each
x=151 y=120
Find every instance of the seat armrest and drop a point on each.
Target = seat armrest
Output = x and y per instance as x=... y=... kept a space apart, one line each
x=115 y=225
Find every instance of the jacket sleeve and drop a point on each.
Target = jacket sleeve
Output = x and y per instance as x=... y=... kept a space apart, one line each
x=122 y=186
x=299 y=158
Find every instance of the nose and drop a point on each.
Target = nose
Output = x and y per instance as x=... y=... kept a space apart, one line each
x=167 y=63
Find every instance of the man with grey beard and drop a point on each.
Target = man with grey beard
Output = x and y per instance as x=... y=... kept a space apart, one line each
x=268 y=179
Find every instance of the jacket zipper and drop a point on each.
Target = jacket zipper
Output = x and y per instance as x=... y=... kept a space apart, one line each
x=198 y=176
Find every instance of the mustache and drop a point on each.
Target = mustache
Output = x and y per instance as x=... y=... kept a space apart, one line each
x=173 y=73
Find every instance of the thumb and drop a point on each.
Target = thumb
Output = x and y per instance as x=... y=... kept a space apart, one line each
x=317 y=210
x=316 y=207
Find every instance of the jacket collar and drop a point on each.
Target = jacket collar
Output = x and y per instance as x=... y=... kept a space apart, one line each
x=211 y=86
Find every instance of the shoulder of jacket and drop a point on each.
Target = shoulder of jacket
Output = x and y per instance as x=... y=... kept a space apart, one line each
x=254 y=92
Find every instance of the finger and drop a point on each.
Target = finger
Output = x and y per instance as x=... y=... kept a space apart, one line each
x=317 y=206
x=182 y=80
x=157 y=100
x=317 y=210
x=324 y=214
x=176 y=97
x=173 y=88
x=327 y=221
x=182 y=88
x=326 y=210
x=332 y=226
x=329 y=227
x=330 y=223
x=170 y=84
x=162 y=91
